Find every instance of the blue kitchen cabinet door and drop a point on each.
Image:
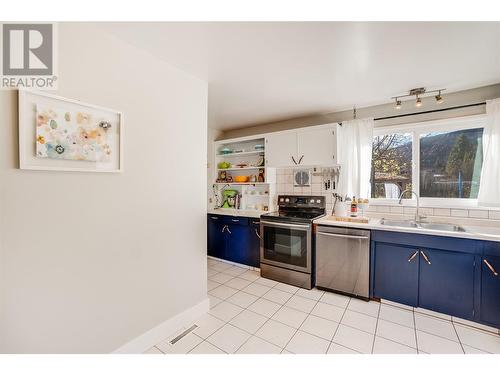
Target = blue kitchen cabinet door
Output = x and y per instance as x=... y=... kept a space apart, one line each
x=238 y=241
x=253 y=258
x=396 y=273
x=490 y=290
x=216 y=237
x=447 y=282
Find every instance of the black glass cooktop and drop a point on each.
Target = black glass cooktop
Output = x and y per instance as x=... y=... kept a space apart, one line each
x=298 y=216
x=297 y=208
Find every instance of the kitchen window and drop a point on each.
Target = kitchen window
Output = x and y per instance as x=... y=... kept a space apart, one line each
x=440 y=160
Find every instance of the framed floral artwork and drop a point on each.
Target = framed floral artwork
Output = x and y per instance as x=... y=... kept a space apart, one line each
x=61 y=134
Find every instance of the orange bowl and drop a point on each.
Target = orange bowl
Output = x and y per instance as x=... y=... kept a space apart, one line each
x=241 y=178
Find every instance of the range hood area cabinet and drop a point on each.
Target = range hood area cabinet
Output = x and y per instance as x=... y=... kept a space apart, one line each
x=316 y=146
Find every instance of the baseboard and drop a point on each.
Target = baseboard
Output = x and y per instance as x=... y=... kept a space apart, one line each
x=162 y=331
x=234 y=263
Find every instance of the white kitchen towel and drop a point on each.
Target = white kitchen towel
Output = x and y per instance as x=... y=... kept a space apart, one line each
x=355 y=157
x=489 y=188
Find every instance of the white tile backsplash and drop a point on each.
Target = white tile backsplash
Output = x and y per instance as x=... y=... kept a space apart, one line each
x=442 y=212
x=479 y=214
x=396 y=210
x=317 y=179
x=371 y=209
x=494 y=215
x=316 y=188
x=384 y=209
x=426 y=211
x=410 y=210
x=459 y=212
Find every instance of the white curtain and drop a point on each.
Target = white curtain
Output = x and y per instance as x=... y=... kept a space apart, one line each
x=392 y=191
x=489 y=188
x=355 y=156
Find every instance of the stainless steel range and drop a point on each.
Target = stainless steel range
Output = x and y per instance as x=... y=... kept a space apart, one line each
x=286 y=248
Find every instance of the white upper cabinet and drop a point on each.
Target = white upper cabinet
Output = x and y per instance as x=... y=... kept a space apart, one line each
x=317 y=146
x=281 y=149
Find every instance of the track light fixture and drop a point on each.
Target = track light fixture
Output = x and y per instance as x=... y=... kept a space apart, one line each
x=418 y=93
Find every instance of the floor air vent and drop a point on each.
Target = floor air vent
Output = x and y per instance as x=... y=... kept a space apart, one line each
x=177 y=338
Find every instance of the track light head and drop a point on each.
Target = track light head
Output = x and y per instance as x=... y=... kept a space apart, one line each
x=418 y=103
x=439 y=98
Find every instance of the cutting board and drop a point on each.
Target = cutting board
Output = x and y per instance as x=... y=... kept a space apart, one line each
x=349 y=219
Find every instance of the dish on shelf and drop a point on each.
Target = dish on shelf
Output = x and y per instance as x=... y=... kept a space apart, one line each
x=226 y=150
x=224 y=165
x=259 y=147
x=242 y=165
x=241 y=178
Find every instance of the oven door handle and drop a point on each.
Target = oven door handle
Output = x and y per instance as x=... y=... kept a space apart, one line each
x=344 y=236
x=285 y=225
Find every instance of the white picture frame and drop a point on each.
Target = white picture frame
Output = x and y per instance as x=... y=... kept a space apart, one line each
x=28 y=102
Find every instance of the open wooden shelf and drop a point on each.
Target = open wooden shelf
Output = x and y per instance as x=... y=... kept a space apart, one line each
x=239 y=169
x=240 y=154
x=241 y=183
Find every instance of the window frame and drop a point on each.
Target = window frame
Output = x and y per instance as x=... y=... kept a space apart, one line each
x=416 y=129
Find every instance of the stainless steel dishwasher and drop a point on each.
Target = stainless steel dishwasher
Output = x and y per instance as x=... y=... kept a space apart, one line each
x=343 y=260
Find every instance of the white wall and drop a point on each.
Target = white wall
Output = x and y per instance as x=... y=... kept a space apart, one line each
x=90 y=261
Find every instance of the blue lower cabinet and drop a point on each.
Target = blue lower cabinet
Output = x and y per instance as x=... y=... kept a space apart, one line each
x=458 y=277
x=234 y=238
x=254 y=253
x=446 y=282
x=238 y=238
x=490 y=290
x=396 y=273
x=216 y=236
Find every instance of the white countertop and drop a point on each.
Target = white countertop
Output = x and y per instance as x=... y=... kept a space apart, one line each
x=489 y=233
x=233 y=212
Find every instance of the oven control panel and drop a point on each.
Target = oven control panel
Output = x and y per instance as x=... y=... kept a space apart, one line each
x=301 y=201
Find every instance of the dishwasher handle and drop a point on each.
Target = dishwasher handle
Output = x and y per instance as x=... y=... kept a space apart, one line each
x=344 y=236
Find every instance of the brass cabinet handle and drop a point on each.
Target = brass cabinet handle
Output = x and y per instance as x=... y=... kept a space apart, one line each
x=495 y=273
x=425 y=257
x=257 y=233
x=413 y=256
x=300 y=160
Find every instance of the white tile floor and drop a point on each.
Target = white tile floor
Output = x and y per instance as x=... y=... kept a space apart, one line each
x=250 y=314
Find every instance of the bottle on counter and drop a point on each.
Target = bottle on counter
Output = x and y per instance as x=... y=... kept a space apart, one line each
x=354 y=207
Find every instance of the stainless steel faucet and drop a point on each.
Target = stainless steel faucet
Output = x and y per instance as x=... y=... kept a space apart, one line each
x=417 y=216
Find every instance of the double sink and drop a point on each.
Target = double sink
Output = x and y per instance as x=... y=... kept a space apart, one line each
x=420 y=225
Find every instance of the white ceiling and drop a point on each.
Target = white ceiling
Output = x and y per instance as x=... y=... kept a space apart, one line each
x=264 y=72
